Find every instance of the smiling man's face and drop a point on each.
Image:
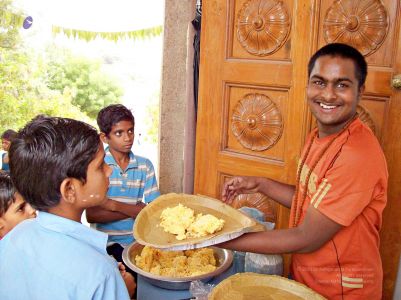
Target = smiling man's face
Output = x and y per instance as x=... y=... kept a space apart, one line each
x=333 y=93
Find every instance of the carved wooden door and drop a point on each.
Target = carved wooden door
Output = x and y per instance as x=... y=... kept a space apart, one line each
x=252 y=114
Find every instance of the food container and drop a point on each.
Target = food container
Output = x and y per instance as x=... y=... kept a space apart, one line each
x=258 y=286
x=223 y=257
x=147 y=229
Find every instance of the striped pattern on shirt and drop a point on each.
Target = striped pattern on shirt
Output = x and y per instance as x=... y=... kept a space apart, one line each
x=136 y=183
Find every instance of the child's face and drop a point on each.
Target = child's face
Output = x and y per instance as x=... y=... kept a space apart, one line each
x=93 y=191
x=121 y=137
x=15 y=214
x=5 y=144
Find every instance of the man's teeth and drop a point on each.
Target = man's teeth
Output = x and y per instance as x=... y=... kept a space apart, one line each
x=327 y=106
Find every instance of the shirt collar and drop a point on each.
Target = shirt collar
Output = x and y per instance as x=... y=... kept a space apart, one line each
x=74 y=229
x=109 y=159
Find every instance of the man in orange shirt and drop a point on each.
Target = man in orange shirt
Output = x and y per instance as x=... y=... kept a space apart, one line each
x=340 y=193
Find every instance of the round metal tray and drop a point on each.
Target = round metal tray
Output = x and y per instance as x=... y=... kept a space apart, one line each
x=224 y=259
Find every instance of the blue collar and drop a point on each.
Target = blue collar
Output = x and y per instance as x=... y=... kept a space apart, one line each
x=73 y=229
x=109 y=159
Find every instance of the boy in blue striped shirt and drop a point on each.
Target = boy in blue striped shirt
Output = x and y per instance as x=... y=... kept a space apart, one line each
x=132 y=182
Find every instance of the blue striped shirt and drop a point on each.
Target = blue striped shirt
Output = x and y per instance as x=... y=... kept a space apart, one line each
x=136 y=183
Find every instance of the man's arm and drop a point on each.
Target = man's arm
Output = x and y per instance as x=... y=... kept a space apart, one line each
x=280 y=192
x=99 y=214
x=113 y=210
x=314 y=232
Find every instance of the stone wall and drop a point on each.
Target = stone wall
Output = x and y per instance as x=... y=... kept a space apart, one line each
x=176 y=132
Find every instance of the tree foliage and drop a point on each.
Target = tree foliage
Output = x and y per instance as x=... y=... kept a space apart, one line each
x=90 y=88
x=54 y=83
x=23 y=93
x=9 y=21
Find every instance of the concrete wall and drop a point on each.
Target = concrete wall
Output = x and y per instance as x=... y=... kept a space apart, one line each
x=176 y=125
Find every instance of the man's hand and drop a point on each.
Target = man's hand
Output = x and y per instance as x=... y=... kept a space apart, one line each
x=239 y=185
x=140 y=204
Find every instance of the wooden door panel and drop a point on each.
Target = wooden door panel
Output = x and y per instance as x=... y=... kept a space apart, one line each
x=238 y=70
x=246 y=38
x=375 y=110
x=367 y=25
x=238 y=65
x=256 y=200
x=259 y=72
x=378 y=81
x=226 y=165
x=254 y=121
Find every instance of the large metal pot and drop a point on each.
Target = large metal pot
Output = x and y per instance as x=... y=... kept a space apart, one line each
x=224 y=259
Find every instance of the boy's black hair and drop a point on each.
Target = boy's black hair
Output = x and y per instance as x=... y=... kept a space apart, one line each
x=112 y=114
x=9 y=135
x=47 y=151
x=7 y=192
x=343 y=51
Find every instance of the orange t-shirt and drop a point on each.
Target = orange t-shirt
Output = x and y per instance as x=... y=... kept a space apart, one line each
x=349 y=186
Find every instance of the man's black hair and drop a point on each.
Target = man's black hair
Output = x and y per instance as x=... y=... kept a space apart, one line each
x=47 y=151
x=9 y=135
x=343 y=51
x=111 y=115
x=7 y=192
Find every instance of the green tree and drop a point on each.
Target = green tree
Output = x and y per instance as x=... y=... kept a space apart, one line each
x=9 y=23
x=91 y=89
x=23 y=94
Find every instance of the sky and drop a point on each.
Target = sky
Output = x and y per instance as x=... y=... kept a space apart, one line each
x=96 y=15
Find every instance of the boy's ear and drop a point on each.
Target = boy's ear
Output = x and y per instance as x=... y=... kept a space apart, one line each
x=103 y=137
x=68 y=190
